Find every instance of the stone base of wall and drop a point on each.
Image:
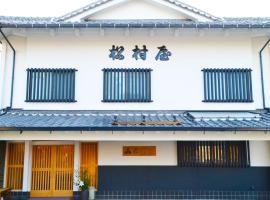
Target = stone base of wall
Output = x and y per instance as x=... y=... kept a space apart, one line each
x=18 y=196
x=173 y=195
x=214 y=195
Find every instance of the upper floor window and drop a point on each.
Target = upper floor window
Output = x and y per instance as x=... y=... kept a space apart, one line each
x=227 y=85
x=50 y=85
x=213 y=154
x=127 y=85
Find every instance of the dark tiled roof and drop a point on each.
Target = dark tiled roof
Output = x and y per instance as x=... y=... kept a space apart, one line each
x=101 y=2
x=32 y=22
x=102 y=120
x=24 y=20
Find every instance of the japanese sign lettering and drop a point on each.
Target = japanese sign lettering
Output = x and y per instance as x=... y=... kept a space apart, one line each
x=139 y=53
x=117 y=53
x=163 y=54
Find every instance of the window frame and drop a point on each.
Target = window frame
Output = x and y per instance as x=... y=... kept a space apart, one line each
x=127 y=95
x=224 y=154
x=52 y=78
x=227 y=85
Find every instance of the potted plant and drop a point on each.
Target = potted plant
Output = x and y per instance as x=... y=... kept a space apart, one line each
x=83 y=182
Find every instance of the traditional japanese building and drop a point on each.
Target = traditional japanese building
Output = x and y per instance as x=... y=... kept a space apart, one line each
x=156 y=99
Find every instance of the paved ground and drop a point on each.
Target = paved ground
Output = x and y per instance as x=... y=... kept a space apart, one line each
x=50 y=198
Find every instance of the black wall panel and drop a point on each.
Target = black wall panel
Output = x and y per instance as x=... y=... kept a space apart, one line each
x=183 y=178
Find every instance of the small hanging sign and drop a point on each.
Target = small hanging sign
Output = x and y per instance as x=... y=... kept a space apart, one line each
x=139 y=151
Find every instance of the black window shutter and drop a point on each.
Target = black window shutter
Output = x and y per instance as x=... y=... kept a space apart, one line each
x=227 y=85
x=50 y=85
x=127 y=85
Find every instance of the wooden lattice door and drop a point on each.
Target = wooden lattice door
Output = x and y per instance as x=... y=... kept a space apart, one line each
x=15 y=164
x=89 y=161
x=52 y=171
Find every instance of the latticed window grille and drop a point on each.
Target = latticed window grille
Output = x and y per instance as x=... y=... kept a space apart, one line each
x=50 y=85
x=213 y=153
x=127 y=85
x=227 y=85
x=15 y=163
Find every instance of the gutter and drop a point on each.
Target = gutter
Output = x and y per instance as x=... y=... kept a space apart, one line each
x=13 y=71
x=261 y=69
x=132 y=24
x=90 y=129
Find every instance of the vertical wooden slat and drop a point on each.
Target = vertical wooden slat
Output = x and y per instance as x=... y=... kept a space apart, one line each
x=215 y=86
x=234 y=85
x=250 y=97
x=131 y=85
x=104 y=85
x=208 y=85
x=38 y=85
x=121 y=86
x=27 y=85
x=245 y=95
x=73 y=85
x=30 y=85
x=42 y=79
x=149 y=86
x=205 y=85
x=65 y=85
x=237 y=85
x=70 y=97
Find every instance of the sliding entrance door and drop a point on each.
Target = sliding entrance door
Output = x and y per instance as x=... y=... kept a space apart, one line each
x=52 y=171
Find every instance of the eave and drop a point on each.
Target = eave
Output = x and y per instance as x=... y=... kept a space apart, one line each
x=40 y=120
x=146 y=25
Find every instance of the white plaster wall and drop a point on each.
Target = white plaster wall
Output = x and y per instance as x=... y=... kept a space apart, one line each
x=20 y=46
x=2 y=72
x=110 y=153
x=259 y=153
x=176 y=84
x=139 y=9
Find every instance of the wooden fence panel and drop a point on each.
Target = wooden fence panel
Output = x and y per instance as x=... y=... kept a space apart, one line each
x=89 y=161
x=15 y=164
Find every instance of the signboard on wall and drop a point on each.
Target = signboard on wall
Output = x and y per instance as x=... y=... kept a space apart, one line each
x=139 y=151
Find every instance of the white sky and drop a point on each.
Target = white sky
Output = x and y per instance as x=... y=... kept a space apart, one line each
x=220 y=8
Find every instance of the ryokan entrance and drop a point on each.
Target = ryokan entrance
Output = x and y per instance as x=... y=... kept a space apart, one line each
x=52 y=170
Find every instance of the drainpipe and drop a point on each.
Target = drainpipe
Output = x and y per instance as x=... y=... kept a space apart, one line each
x=13 y=69
x=261 y=67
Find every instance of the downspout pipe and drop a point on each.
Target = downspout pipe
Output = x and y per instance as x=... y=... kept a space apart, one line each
x=13 y=70
x=261 y=68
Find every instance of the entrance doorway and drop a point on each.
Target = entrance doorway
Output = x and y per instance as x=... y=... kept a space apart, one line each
x=52 y=171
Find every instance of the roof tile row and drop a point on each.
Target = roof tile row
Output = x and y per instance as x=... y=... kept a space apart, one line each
x=103 y=120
